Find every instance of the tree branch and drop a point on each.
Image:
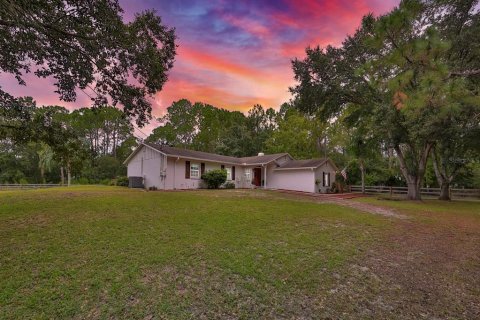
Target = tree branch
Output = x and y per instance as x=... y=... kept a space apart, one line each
x=467 y=73
x=403 y=164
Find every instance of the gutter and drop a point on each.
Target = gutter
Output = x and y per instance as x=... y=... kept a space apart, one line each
x=301 y=168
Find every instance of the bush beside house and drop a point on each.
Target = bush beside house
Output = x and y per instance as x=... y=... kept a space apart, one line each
x=214 y=178
x=229 y=185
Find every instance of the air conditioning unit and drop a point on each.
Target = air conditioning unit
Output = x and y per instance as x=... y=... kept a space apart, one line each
x=135 y=182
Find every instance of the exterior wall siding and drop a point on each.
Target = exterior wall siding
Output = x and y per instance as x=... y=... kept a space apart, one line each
x=134 y=168
x=175 y=178
x=147 y=163
x=327 y=167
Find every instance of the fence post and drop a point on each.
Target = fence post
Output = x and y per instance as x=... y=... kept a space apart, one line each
x=391 y=191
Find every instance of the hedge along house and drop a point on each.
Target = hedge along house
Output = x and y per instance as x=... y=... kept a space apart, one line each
x=169 y=168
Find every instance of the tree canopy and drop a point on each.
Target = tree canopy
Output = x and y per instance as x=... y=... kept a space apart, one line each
x=406 y=74
x=206 y=128
x=87 y=46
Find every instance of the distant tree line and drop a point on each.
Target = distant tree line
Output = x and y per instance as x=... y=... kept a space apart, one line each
x=51 y=145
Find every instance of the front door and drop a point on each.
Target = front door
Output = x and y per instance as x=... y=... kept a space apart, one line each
x=257 y=176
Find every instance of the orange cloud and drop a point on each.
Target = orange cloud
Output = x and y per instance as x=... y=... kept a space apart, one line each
x=218 y=63
x=221 y=98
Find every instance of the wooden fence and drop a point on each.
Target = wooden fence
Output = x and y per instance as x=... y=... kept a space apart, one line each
x=434 y=192
x=27 y=186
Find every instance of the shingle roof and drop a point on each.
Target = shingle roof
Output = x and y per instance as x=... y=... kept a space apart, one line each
x=262 y=159
x=200 y=155
x=302 y=164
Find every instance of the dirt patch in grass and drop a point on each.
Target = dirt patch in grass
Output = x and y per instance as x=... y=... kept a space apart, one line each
x=364 y=207
x=374 y=209
x=421 y=270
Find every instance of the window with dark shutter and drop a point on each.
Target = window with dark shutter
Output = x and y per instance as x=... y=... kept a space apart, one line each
x=233 y=172
x=328 y=174
x=202 y=169
x=222 y=167
x=187 y=169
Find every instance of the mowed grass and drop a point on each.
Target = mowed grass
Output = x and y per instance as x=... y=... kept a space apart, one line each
x=469 y=207
x=107 y=252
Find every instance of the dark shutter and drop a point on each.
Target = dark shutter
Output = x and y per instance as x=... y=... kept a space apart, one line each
x=323 y=179
x=328 y=179
x=187 y=169
x=222 y=167
x=202 y=169
x=233 y=173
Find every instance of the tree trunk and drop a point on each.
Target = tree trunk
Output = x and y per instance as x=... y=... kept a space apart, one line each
x=69 y=175
x=413 y=192
x=442 y=178
x=42 y=174
x=414 y=176
x=362 y=171
x=62 y=176
x=391 y=158
x=444 y=191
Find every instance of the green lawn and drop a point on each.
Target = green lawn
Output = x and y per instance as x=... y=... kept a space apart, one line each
x=107 y=252
x=101 y=252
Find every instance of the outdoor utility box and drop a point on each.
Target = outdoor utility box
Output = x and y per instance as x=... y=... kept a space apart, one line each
x=135 y=182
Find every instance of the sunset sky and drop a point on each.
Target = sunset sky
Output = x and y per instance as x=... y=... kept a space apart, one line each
x=234 y=54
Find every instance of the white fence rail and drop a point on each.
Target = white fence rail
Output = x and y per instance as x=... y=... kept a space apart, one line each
x=28 y=186
x=454 y=193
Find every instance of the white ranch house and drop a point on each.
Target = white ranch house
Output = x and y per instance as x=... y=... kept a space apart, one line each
x=169 y=168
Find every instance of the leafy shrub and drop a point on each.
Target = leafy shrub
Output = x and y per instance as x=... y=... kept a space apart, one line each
x=229 y=185
x=107 y=167
x=152 y=188
x=214 y=178
x=105 y=182
x=80 y=181
x=11 y=175
x=122 y=181
x=337 y=187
